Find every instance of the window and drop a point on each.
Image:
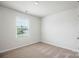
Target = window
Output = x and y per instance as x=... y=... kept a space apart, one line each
x=22 y=27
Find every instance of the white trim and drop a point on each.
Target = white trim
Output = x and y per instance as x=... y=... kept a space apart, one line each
x=37 y=42
x=17 y=47
x=51 y=43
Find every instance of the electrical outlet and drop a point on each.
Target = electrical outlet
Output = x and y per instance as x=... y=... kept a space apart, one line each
x=78 y=38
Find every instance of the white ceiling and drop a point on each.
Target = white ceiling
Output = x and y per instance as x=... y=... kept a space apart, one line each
x=44 y=8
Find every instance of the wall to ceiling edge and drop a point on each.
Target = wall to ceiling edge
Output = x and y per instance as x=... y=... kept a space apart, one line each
x=8 y=40
x=61 y=29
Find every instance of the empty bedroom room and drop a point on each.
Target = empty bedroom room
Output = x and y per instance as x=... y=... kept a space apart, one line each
x=39 y=29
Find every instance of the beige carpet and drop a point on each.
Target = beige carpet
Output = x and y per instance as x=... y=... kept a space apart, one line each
x=40 y=50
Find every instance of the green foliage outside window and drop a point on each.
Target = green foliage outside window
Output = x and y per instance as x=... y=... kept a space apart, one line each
x=21 y=29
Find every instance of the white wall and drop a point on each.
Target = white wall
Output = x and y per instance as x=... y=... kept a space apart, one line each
x=77 y=41
x=61 y=29
x=8 y=38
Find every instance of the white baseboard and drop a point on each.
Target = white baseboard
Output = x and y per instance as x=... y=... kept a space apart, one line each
x=51 y=43
x=16 y=47
x=37 y=42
